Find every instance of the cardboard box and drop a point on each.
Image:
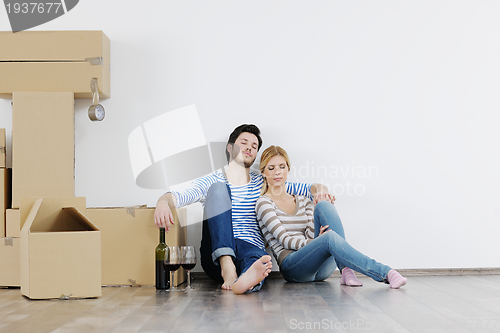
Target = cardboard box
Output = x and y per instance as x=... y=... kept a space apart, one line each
x=12 y=223
x=3 y=148
x=129 y=238
x=43 y=145
x=60 y=250
x=5 y=194
x=10 y=258
x=54 y=61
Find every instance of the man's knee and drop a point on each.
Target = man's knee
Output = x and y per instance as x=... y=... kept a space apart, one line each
x=218 y=189
x=218 y=199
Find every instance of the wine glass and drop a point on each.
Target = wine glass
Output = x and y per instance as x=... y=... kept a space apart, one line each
x=172 y=263
x=188 y=261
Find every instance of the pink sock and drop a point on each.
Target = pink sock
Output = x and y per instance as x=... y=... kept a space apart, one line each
x=395 y=279
x=348 y=278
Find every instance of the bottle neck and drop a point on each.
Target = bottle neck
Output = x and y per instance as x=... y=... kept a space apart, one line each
x=162 y=235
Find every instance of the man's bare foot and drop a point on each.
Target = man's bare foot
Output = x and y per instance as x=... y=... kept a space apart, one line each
x=259 y=270
x=228 y=272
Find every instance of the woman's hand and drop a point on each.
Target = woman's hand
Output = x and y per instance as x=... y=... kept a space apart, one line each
x=322 y=229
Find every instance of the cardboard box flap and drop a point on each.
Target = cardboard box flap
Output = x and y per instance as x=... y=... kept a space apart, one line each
x=77 y=219
x=52 y=45
x=35 y=206
x=55 y=214
x=68 y=219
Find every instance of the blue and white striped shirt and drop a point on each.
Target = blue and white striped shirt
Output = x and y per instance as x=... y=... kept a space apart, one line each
x=245 y=225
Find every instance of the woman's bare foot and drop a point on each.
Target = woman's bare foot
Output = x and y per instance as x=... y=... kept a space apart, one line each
x=259 y=270
x=228 y=272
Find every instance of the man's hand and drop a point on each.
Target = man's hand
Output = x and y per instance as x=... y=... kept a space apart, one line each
x=163 y=214
x=320 y=193
x=324 y=196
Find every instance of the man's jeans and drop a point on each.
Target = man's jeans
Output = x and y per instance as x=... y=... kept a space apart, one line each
x=218 y=239
x=317 y=260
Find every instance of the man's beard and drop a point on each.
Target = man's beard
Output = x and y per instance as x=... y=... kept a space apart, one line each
x=234 y=156
x=248 y=164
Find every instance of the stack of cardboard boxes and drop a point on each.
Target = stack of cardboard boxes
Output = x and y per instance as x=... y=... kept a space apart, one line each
x=52 y=245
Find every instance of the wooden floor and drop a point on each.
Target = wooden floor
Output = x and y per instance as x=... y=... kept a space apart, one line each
x=425 y=304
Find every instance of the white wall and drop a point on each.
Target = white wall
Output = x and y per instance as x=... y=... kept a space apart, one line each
x=405 y=91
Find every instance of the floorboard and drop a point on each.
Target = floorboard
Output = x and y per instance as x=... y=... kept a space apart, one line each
x=426 y=304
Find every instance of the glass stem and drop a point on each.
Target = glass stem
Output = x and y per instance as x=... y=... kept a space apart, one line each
x=189 y=279
x=172 y=283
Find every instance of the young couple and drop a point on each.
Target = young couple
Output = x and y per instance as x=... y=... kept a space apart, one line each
x=308 y=246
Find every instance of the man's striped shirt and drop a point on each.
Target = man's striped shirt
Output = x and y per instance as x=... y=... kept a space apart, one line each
x=243 y=197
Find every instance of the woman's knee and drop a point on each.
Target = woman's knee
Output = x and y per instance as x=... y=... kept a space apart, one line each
x=324 y=203
x=324 y=206
x=325 y=213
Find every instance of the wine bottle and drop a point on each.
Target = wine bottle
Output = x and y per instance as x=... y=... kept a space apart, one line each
x=162 y=280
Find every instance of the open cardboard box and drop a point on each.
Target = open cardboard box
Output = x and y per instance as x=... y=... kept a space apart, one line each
x=60 y=250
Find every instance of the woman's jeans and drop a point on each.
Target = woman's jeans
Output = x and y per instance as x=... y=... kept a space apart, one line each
x=318 y=259
x=218 y=239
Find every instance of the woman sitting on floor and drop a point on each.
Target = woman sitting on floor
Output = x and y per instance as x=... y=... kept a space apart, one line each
x=308 y=242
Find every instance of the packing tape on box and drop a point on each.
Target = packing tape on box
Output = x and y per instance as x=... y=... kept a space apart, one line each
x=131 y=210
x=133 y=283
x=95 y=61
x=9 y=241
x=64 y=297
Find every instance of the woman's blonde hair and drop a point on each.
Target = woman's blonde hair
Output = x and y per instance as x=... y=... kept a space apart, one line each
x=266 y=156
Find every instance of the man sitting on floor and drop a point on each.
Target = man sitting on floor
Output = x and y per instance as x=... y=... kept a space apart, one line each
x=232 y=244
